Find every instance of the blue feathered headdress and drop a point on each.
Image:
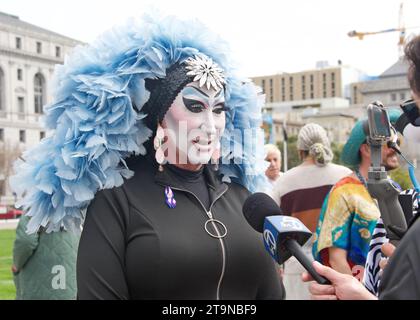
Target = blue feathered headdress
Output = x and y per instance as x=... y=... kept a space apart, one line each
x=96 y=119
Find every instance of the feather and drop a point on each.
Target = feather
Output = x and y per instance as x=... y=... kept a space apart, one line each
x=95 y=119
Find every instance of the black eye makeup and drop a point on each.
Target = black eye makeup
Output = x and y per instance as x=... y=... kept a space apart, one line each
x=193 y=105
x=219 y=108
x=196 y=106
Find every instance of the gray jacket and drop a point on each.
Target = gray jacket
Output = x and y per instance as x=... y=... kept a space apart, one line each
x=46 y=264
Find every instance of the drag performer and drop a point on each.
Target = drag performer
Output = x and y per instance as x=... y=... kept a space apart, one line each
x=145 y=140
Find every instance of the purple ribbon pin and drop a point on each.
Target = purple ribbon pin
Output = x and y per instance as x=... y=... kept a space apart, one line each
x=169 y=198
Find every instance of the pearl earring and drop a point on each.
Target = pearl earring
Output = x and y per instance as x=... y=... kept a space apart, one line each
x=215 y=157
x=157 y=143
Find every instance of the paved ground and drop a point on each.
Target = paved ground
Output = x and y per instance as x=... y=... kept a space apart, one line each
x=8 y=224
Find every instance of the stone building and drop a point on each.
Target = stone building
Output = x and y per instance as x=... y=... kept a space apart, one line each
x=28 y=55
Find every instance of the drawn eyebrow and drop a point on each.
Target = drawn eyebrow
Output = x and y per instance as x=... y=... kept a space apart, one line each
x=218 y=95
x=200 y=91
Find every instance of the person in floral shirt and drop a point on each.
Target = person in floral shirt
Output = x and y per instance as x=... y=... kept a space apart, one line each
x=349 y=214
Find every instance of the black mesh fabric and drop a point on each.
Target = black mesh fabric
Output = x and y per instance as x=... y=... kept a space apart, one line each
x=163 y=92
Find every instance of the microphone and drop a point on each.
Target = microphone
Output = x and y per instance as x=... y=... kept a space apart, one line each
x=283 y=235
x=407 y=129
x=408 y=124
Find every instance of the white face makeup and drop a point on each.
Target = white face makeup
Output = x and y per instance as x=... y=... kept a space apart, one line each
x=194 y=125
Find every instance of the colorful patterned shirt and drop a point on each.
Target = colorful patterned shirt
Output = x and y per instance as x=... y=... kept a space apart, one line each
x=347 y=220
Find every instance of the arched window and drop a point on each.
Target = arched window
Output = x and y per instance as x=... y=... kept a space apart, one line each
x=2 y=91
x=39 y=93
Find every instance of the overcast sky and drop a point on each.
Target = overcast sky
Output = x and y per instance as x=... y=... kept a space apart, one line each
x=266 y=36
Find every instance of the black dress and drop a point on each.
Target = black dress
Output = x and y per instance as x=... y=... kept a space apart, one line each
x=133 y=246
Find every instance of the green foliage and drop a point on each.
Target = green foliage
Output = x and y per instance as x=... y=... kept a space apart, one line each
x=401 y=177
x=292 y=153
x=7 y=287
x=337 y=149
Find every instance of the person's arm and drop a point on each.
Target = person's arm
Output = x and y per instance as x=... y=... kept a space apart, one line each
x=101 y=254
x=342 y=287
x=24 y=246
x=338 y=260
x=333 y=236
x=387 y=250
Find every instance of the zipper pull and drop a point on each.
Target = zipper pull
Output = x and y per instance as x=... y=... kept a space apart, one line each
x=210 y=214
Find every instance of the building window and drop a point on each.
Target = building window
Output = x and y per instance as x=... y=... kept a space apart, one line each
x=22 y=136
x=355 y=94
x=21 y=108
x=1 y=134
x=19 y=74
x=332 y=76
x=312 y=95
x=263 y=85
x=18 y=43
x=303 y=88
x=312 y=78
x=21 y=105
x=402 y=96
x=283 y=97
x=38 y=47
x=271 y=91
x=393 y=97
x=39 y=88
x=41 y=135
x=291 y=88
x=324 y=94
x=58 y=52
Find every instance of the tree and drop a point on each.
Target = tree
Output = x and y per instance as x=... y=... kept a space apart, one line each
x=8 y=154
x=337 y=149
x=401 y=177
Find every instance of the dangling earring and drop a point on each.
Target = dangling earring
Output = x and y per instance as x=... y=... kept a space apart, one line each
x=157 y=143
x=215 y=157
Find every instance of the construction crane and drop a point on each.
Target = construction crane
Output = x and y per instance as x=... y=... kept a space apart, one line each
x=401 y=29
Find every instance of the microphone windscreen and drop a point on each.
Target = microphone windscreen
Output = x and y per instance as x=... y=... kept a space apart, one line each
x=401 y=123
x=258 y=206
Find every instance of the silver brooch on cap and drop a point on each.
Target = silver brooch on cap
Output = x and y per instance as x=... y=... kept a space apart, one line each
x=205 y=71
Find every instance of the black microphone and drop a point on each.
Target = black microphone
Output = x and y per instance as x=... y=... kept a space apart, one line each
x=407 y=129
x=283 y=235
